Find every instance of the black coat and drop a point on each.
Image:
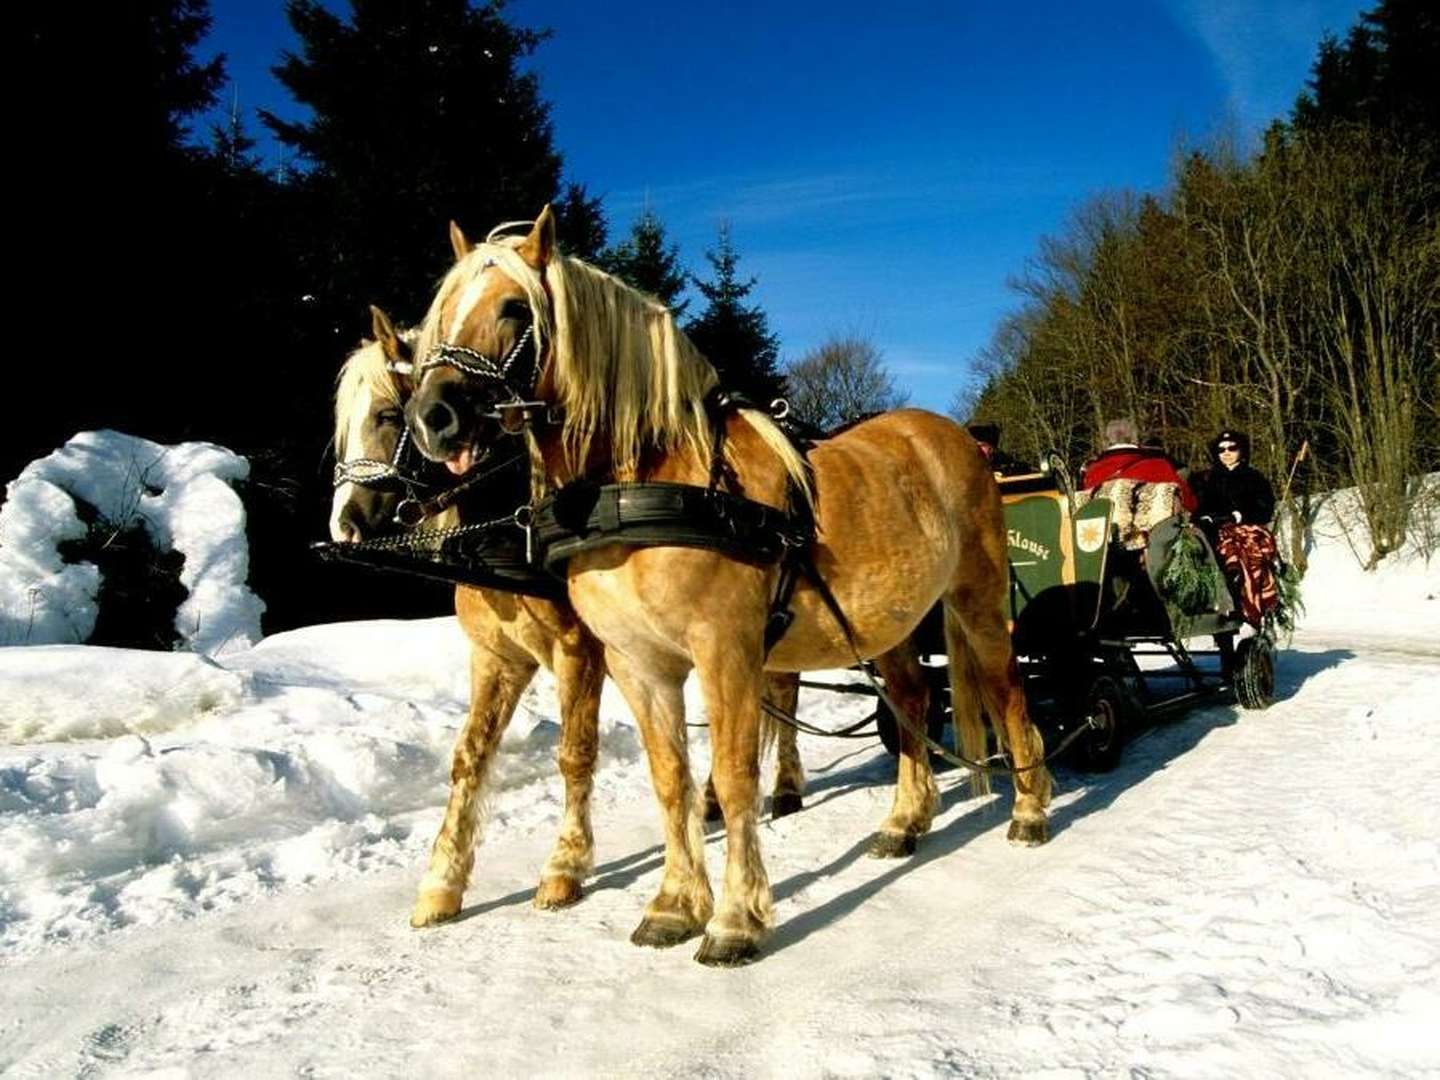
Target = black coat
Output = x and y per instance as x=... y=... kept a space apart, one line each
x=1243 y=488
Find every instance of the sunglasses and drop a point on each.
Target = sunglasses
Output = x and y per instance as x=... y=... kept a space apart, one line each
x=1224 y=446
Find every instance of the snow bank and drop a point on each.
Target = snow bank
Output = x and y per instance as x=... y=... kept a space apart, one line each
x=180 y=494
x=319 y=755
x=1400 y=596
x=61 y=692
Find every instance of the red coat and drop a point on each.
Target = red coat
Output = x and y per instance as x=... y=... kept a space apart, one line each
x=1140 y=464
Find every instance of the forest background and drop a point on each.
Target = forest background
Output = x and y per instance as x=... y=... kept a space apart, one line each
x=187 y=291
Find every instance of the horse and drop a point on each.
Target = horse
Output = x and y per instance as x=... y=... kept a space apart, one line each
x=511 y=636
x=906 y=514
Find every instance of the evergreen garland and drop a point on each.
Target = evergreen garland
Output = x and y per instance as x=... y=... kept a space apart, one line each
x=1187 y=584
x=1281 y=618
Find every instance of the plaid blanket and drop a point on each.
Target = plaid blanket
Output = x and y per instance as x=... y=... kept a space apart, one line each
x=1250 y=558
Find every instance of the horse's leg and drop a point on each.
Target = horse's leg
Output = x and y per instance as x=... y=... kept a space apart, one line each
x=966 y=709
x=579 y=675
x=732 y=692
x=978 y=630
x=783 y=691
x=684 y=903
x=916 y=795
x=496 y=684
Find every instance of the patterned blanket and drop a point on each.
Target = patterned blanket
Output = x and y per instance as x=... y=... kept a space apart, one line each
x=1250 y=558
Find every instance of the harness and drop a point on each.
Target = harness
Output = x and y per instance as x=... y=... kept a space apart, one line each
x=584 y=515
x=490 y=555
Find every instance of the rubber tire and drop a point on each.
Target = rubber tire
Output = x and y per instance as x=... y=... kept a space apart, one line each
x=1255 y=673
x=890 y=731
x=1099 y=751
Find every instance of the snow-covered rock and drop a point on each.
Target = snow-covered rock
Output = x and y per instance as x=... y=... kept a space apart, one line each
x=183 y=498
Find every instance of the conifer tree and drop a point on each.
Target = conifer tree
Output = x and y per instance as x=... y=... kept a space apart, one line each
x=1383 y=73
x=108 y=180
x=734 y=335
x=421 y=116
x=580 y=223
x=646 y=261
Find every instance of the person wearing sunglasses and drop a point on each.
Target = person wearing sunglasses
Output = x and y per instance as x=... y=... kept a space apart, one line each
x=1233 y=490
x=1236 y=507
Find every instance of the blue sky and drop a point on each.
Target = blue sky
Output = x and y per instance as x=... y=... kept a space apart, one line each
x=885 y=169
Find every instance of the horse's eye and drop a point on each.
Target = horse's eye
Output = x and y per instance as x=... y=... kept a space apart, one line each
x=516 y=309
x=390 y=418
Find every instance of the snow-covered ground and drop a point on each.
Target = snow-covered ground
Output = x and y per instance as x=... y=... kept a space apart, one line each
x=206 y=868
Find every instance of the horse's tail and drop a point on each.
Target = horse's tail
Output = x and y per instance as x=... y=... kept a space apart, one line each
x=965 y=699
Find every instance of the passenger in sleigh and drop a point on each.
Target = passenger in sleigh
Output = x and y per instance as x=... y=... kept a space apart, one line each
x=987 y=437
x=1142 y=482
x=1237 y=505
x=1145 y=488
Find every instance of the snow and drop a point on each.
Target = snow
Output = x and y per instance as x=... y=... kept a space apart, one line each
x=180 y=494
x=207 y=866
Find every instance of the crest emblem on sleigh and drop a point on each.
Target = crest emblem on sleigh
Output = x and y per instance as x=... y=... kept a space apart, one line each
x=1090 y=534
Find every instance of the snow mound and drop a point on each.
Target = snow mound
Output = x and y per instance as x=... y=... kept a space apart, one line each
x=55 y=693
x=182 y=497
x=1400 y=595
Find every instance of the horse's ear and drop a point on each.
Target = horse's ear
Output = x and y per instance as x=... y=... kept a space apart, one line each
x=538 y=248
x=384 y=331
x=458 y=242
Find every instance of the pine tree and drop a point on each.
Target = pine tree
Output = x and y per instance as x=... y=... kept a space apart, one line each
x=646 y=261
x=231 y=145
x=580 y=223
x=1383 y=74
x=735 y=336
x=421 y=116
x=106 y=95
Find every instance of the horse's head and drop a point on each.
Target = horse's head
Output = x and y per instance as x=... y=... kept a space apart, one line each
x=374 y=467
x=482 y=345
x=521 y=336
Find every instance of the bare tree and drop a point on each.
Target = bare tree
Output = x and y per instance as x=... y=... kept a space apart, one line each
x=1375 y=232
x=840 y=380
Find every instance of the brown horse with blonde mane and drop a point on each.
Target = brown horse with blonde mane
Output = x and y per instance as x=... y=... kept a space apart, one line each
x=511 y=637
x=906 y=512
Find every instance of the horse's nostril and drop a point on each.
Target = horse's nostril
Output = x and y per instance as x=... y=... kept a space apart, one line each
x=440 y=418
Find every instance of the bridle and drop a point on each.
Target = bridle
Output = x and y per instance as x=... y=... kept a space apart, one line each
x=515 y=374
x=402 y=473
x=511 y=408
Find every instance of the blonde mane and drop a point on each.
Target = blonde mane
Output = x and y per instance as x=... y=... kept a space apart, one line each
x=366 y=370
x=623 y=370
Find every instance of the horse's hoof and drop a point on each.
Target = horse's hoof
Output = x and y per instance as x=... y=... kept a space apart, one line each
x=435 y=907
x=558 y=892
x=727 y=951
x=786 y=804
x=1029 y=832
x=888 y=845
x=662 y=933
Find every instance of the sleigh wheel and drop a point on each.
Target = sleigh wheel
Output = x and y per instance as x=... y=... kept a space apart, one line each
x=1109 y=709
x=1255 y=673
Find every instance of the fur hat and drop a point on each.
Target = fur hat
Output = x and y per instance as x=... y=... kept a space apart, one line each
x=1239 y=438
